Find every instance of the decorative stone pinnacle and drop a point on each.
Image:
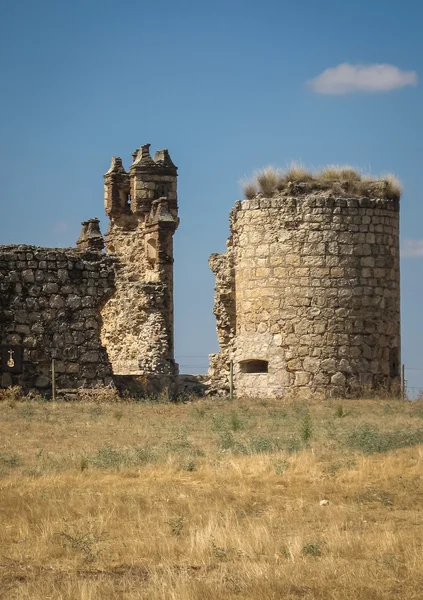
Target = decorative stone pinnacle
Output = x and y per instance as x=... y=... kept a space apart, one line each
x=90 y=238
x=143 y=158
x=116 y=166
x=162 y=158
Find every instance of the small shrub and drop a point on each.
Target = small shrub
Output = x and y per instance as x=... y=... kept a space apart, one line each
x=218 y=423
x=118 y=415
x=179 y=443
x=393 y=186
x=261 y=445
x=281 y=466
x=144 y=455
x=250 y=189
x=369 y=440
x=295 y=172
x=306 y=428
x=236 y=422
x=108 y=458
x=11 y=395
x=343 y=180
x=191 y=466
x=340 y=173
x=228 y=442
x=340 y=411
x=219 y=552
x=312 y=549
x=417 y=412
x=267 y=180
x=176 y=525
x=286 y=552
x=294 y=445
x=9 y=460
x=83 y=543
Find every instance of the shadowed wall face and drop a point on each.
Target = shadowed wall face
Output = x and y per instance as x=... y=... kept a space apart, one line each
x=309 y=286
x=50 y=302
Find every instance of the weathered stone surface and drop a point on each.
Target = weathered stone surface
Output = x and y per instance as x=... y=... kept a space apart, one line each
x=43 y=323
x=138 y=319
x=90 y=238
x=99 y=315
x=309 y=284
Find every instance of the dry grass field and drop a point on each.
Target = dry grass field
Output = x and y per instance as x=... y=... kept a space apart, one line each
x=211 y=499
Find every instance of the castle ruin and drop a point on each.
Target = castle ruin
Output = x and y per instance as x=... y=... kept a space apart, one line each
x=103 y=318
x=137 y=329
x=307 y=294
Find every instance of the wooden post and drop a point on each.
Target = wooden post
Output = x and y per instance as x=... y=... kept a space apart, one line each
x=402 y=382
x=231 y=380
x=53 y=380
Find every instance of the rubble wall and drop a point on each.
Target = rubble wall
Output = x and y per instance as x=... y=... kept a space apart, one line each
x=138 y=319
x=309 y=285
x=50 y=301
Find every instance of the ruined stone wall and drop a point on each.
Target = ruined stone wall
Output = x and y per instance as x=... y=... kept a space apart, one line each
x=310 y=285
x=138 y=318
x=99 y=315
x=50 y=301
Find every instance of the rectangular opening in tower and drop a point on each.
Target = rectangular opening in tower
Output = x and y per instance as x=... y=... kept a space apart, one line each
x=254 y=366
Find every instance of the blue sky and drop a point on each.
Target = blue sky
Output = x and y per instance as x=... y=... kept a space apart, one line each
x=223 y=85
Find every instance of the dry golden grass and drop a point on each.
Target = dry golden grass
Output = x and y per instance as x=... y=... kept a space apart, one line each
x=343 y=180
x=295 y=173
x=210 y=500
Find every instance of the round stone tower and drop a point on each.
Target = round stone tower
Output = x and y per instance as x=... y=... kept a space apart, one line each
x=308 y=292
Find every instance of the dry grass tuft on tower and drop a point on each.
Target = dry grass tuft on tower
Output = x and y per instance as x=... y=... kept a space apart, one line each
x=343 y=180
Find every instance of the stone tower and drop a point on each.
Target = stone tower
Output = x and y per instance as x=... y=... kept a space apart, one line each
x=308 y=292
x=138 y=320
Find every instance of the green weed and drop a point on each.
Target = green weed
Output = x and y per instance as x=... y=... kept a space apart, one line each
x=369 y=440
x=236 y=423
x=340 y=411
x=312 y=549
x=306 y=428
x=9 y=460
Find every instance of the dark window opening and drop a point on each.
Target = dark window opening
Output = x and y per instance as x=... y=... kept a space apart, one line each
x=161 y=190
x=254 y=366
x=393 y=362
x=125 y=200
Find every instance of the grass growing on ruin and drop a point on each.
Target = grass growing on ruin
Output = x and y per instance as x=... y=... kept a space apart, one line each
x=211 y=499
x=342 y=180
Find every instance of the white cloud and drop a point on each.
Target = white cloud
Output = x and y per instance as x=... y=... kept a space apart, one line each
x=348 y=79
x=412 y=248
